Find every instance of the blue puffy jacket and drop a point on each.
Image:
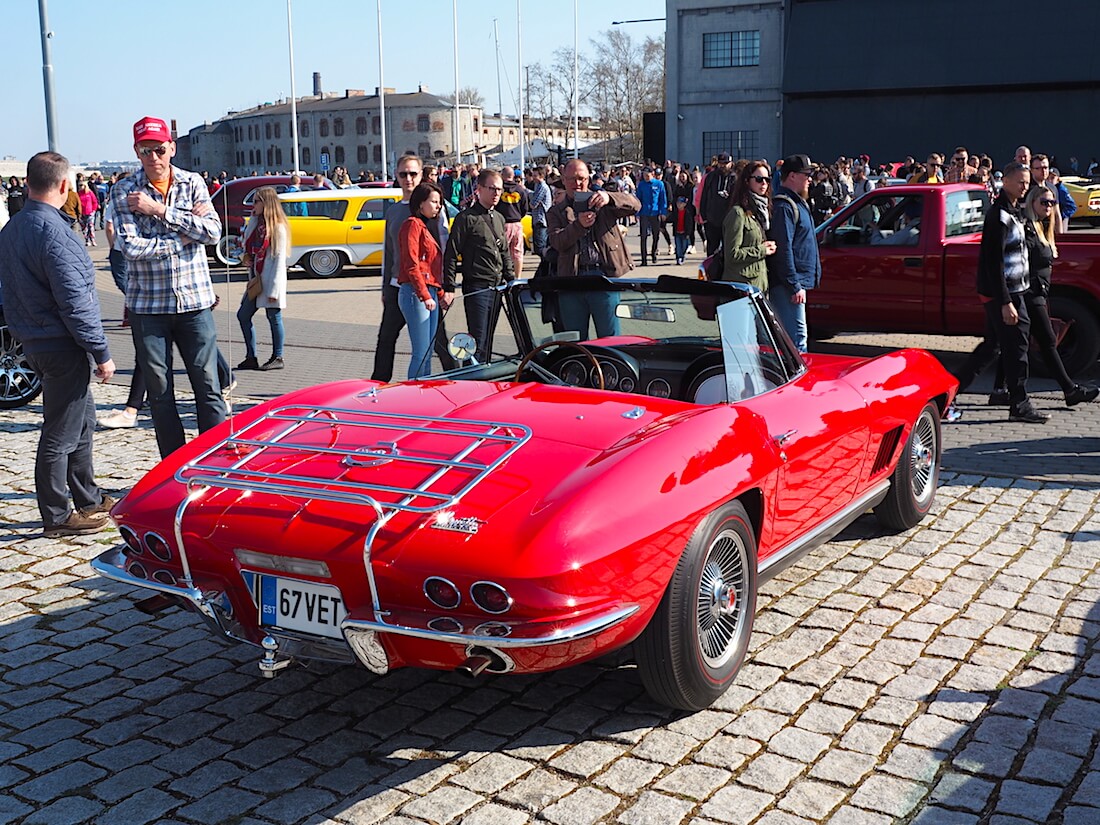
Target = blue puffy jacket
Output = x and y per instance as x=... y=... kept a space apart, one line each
x=652 y=195
x=50 y=299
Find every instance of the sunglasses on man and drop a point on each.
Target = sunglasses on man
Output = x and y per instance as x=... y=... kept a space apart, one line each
x=159 y=151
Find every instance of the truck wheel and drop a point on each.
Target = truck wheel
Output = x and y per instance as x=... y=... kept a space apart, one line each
x=323 y=262
x=693 y=646
x=913 y=484
x=1080 y=347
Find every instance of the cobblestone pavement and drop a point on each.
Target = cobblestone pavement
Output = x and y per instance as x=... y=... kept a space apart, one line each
x=946 y=675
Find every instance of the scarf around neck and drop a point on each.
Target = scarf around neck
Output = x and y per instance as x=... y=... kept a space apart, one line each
x=761 y=210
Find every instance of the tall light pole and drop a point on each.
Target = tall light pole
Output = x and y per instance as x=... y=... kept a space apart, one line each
x=294 y=164
x=47 y=76
x=576 y=87
x=519 y=76
x=381 y=94
x=454 y=124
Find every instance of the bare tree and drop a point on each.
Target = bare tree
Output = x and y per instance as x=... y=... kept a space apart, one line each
x=628 y=79
x=467 y=96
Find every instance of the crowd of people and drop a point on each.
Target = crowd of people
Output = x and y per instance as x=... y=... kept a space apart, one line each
x=757 y=223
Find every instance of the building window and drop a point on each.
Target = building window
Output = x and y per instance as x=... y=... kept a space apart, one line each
x=740 y=144
x=339 y=154
x=377 y=153
x=723 y=50
x=305 y=156
x=250 y=131
x=360 y=126
x=424 y=150
x=338 y=126
x=305 y=128
x=322 y=128
x=278 y=156
x=267 y=130
x=270 y=157
x=361 y=153
x=423 y=123
x=475 y=124
x=376 y=126
x=278 y=129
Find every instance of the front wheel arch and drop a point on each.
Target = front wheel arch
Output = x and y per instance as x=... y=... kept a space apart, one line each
x=916 y=476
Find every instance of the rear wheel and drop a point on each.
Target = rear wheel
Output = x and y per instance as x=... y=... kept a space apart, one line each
x=1080 y=346
x=690 y=652
x=321 y=263
x=19 y=383
x=913 y=485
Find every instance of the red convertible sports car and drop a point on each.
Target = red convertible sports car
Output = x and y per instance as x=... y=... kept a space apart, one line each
x=567 y=498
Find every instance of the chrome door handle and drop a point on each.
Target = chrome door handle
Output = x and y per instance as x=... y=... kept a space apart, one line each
x=783 y=438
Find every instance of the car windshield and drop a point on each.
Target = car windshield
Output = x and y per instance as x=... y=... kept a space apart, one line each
x=677 y=338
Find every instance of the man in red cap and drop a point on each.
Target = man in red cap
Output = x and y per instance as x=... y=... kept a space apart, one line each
x=163 y=220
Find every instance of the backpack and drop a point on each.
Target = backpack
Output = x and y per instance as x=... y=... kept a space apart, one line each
x=790 y=200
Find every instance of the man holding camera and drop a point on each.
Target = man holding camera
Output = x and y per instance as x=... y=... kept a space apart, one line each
x=584 y=229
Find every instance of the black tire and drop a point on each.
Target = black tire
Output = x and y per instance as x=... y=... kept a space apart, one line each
x=913 y=484
x=690 y=652
x=19 y=383
x=228 y=250
x=1080 y=348
x=322 y=263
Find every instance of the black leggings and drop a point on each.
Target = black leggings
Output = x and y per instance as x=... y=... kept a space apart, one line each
x=1043 y=333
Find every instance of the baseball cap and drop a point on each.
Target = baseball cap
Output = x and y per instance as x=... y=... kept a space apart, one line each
x=151 y=128
x=724 y=157
x=797 y=163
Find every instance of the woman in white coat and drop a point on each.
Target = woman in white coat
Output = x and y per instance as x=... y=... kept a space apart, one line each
x=266 y=245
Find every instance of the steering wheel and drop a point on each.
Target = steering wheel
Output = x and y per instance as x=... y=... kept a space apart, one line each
x=547 y=344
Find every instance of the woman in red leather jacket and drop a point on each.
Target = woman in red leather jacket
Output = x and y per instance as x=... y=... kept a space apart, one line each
x=420 y=274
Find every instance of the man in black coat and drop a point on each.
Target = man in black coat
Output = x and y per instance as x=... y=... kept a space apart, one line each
x=715 y=200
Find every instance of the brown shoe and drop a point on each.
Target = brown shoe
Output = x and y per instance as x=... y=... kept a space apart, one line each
x=77 y=524
x=101 y=509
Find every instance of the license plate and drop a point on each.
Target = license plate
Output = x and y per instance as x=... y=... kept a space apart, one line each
x=303 y=606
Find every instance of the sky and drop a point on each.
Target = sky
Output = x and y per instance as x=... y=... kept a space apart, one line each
x=117 y=61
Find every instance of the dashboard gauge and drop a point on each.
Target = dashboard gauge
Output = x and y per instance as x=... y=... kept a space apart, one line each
x=573 y=373
x=610 y=375
x=626 y=384
x=659 y=388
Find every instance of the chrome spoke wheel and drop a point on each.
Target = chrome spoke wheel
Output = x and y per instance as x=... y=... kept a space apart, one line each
x=720 y=608
x=923 y=458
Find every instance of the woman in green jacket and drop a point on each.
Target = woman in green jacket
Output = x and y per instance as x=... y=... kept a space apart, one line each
x=744 y=243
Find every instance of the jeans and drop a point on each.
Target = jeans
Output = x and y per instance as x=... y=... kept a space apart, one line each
x=422 y=324
x=791 y=316
x=650 y=226
x=247 y=309
x=712 y=233
x=64 y=460
x=681 y=246
x=576 y=308
x=479 y=301
x=194 y=335
x=540 y=239
x=393 y=321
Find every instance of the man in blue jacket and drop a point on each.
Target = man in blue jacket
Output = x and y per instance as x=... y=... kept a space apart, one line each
x=51 y=306
x=654 y=200
x=796 y=266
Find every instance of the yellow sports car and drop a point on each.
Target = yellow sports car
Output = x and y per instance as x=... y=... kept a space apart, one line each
x=330 y=228
x=1087 y=197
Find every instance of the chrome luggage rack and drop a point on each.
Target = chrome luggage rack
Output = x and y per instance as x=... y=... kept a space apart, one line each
x=446 y=477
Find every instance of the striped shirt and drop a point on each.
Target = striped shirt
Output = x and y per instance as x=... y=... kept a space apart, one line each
x=166 y=275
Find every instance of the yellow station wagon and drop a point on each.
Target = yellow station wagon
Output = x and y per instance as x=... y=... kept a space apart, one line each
x=330 y=228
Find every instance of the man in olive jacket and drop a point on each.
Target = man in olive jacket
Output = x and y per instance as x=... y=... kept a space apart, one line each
x=583 y=228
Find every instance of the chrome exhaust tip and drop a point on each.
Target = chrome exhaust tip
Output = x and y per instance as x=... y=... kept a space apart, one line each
x=474 y=665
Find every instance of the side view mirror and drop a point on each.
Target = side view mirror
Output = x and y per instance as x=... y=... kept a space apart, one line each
x=829 y=237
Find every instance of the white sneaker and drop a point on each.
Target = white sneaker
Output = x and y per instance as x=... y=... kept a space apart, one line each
x=118 y=421
x=691 y=250
x=670 y=250
x=227 y=391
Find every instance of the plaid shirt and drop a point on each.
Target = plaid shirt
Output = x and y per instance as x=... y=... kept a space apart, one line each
x=957 y=173
x=166 y=276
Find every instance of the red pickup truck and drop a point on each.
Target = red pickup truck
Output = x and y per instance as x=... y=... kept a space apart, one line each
x=905 y=259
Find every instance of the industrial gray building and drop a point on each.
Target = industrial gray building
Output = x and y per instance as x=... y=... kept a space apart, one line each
x=832 y=77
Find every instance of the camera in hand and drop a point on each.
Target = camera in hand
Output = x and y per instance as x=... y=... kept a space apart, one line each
x=581 y=202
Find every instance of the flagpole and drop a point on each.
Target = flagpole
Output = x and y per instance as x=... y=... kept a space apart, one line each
x=381 y=94
x=576 y=85
x=519 y=75
x=454 y=124
x=294 y=164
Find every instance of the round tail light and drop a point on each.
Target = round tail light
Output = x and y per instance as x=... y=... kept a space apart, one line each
x=132 y=540
x=442 y=592
x=158 y=547
x=137 y=571
x=164 y=577
x=492 y=598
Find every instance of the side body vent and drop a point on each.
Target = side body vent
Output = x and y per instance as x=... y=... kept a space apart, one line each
x=886 y=450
